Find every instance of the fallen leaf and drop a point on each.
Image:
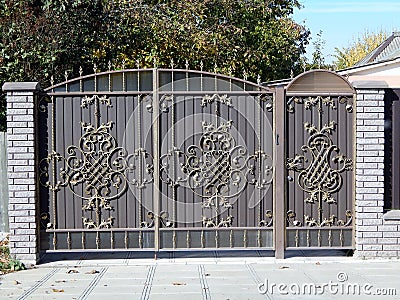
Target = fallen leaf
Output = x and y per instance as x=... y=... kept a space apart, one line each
x=178 y=283
x=92 y=272
x=57 y=291
x=16 y=282
x=318 y=263
x=72 y=271
x=283 y=267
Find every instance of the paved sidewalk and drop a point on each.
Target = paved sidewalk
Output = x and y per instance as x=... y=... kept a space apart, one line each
x=121 y=276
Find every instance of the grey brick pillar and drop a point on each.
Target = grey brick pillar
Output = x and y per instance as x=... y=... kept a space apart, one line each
x=23 y=202
x=376 y=236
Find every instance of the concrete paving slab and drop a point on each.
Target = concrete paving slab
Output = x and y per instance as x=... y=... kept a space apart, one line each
x=182 y=296
x=188 y=278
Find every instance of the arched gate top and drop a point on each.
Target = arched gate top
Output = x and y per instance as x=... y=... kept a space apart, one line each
x=144 y=81
x=321 y=82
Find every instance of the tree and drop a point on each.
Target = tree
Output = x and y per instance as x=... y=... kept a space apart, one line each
x=43 y=38
x=358 y=49
x=318 y=59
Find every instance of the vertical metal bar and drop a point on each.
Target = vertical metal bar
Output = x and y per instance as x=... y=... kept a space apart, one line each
x=83 y=241
x=69 y=243
x=98 y=240
x=279 y=183
x=126 y=240
x=156 y=155
x=353 y=176
x=188 y=239
x=54 y=170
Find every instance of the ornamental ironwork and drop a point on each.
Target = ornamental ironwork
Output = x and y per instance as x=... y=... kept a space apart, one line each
x=317 y=175
x=97 y=170
x=326 y=222
x=217 y=169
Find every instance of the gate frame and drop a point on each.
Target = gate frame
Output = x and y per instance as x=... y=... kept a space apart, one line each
x=312 y=88
x=23 y=182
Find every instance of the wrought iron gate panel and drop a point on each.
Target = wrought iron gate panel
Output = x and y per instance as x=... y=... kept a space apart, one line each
x=98 y=167
x=210 y=162
x=319 y=165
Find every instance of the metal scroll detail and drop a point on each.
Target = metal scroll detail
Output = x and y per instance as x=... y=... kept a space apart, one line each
x=326 y=222
x=216 y=168
x=319 y=179
x=96 y=170
x=216 y=164
x=317 y=176
x=319 y=101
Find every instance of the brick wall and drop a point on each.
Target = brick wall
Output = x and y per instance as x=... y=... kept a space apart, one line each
x=22 y=208
x=375 y=237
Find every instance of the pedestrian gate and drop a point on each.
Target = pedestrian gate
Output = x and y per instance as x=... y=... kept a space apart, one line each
x=180 y=159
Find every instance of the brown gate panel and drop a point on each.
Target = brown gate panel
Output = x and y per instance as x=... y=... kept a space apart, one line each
x=216 y=162
x=156 y=159
x=320 y=162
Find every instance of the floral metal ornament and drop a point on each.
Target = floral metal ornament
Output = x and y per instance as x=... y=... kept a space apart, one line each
x=216 y=164
x=97 y=170
x=216 y=168
x=317 y=176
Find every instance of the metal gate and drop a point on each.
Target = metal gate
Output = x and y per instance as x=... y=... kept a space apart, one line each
x=320 y=160
x=180 y=159
x=156 y=159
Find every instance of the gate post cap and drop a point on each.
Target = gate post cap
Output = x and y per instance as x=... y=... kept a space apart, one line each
x=392 y=215
x=370 y=84
x=21 y=86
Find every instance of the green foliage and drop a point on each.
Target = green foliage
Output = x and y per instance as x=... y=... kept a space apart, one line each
x=7 y=263
x=358 y=48
x=318 y=59
x=43 y=38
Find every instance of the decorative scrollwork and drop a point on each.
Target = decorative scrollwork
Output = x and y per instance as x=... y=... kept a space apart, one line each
x=96 y=169
x=319 y=179
x=321 y=164
x=216 y=164
x=318 y=102
x=86 y=101
x=163 y=217
x=164 y=102
x=210 y=222
x=216 y=169
x=348 y=101
x=90 y=224
x=43 y=101
x=259 y=169
x=268 y=99
x=331 y=221
x=291 y=218
x=269 y=217
x=224 y=99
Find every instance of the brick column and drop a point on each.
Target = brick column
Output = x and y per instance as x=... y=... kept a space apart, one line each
x=22 y=209
x=375 y=236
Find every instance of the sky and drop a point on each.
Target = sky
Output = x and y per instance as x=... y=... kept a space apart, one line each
x=343 y=21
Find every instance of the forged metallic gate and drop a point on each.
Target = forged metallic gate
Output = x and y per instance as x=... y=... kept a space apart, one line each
x=180 y=159
x=320 y=160
x=156 y=159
